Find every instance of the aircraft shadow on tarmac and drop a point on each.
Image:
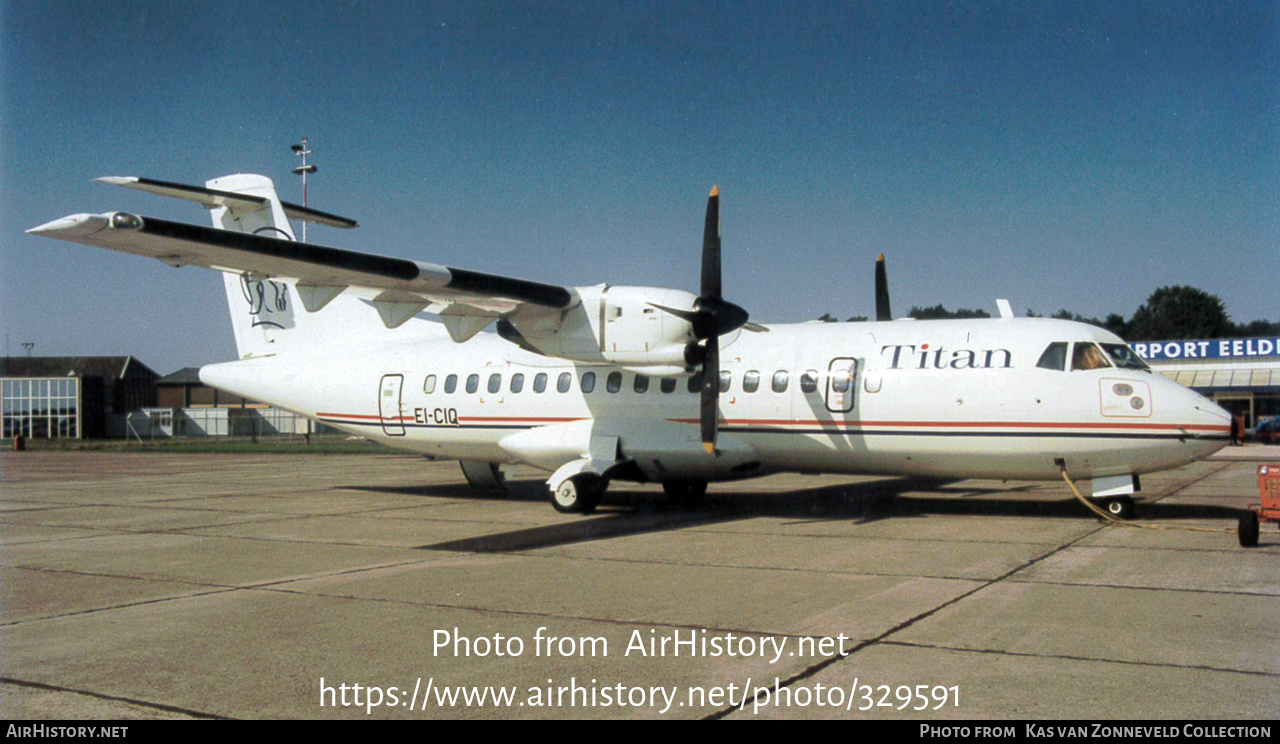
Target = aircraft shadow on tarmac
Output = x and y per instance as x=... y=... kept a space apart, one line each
x=625 y=512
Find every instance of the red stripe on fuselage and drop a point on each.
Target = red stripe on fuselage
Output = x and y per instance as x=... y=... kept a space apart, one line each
x=967 y=424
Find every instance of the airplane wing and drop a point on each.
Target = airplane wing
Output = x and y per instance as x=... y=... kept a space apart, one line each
x=657 y=331
x=400 y=288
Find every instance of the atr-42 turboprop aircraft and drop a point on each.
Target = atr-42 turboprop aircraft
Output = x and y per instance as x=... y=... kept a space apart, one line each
x=647 y=384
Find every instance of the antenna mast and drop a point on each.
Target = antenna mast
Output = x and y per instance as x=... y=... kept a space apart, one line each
x=302 y=150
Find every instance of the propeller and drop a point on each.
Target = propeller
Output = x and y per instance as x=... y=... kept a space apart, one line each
x=882 y=291
x=711 y=317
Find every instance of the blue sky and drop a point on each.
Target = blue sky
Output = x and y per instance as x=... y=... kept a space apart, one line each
x=1061 y=155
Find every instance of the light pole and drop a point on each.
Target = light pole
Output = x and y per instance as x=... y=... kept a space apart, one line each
x=301 y=150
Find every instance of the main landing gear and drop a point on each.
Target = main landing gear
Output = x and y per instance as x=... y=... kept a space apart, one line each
x=579 y=494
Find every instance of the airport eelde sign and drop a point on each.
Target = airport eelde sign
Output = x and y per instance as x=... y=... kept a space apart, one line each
x=1223 y=348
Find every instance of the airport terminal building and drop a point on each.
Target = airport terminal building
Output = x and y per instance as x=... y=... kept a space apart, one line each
x=1239 y=374
x=72 y=397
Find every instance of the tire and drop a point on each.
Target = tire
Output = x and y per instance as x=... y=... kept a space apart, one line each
x=1247 y=529
x=685 y=494
x=579 y=494
x=1119 y=508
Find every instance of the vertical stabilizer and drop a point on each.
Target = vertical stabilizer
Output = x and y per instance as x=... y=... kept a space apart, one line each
x=262 y=309
x=265 y=218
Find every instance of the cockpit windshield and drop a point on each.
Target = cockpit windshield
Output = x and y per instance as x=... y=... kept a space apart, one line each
x=1054 y=356
x=1087 y=356
x=1124 y=357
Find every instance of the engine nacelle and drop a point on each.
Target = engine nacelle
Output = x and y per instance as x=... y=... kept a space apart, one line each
x=613 y=325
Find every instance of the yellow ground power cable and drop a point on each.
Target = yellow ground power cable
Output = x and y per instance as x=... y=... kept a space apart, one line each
x=1126 y=523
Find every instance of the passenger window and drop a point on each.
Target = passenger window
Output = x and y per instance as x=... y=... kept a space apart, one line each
x=588 y=382
x=751 y=382
x=695 y=383
x=450 y=384
x=613 y=383
x=840 y=380
x=517 y=382
x=473 y=383
x=809 y=381
x=641 y=384
x=429 y=384
x=495 y=383
x=1054 y=356
x=540 y=383
x=563 y=382
x=726 y=377
x=668 y=384
x=1088 y=356
x=780 y=379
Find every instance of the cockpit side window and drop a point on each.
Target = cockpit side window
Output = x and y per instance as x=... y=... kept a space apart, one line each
x=1087 y=356
x=1054 y=356
x=1124 y=357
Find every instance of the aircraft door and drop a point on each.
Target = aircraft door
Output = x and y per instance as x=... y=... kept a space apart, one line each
x=842 y=374
x=389 y=405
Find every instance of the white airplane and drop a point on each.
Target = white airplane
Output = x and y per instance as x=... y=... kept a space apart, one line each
x=605 y=383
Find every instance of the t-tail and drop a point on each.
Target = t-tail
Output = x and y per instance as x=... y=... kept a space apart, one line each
x=273 y=315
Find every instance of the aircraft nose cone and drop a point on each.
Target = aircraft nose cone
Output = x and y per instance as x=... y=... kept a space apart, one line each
x=1213 y=423
x=1212 y=413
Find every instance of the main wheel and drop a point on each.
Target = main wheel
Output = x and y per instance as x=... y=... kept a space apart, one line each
x=685 y=493
x=579 y=494
x=1247 y=529
x=1120 y=507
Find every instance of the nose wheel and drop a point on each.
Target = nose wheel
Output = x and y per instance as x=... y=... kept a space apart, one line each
x=579 y=494
x=1120 y=507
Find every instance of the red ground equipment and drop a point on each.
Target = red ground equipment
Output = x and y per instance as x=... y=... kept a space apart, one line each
x=1267 y=511
x=1269 y=492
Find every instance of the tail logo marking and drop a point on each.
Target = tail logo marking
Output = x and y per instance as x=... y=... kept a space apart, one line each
x=268 y=302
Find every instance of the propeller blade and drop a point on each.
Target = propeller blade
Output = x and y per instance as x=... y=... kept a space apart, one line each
x=710 y=394
x=882 y=291
x=711 y=248
x=689 y=315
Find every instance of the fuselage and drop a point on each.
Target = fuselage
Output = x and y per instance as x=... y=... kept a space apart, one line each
x=971 y=398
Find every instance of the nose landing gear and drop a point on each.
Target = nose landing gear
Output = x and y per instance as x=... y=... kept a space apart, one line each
x=1120 y=507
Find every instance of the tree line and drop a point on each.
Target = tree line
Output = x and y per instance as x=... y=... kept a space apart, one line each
x=1169 y=314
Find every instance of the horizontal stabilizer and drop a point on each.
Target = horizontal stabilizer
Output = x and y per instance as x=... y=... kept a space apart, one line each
x=212 y=198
